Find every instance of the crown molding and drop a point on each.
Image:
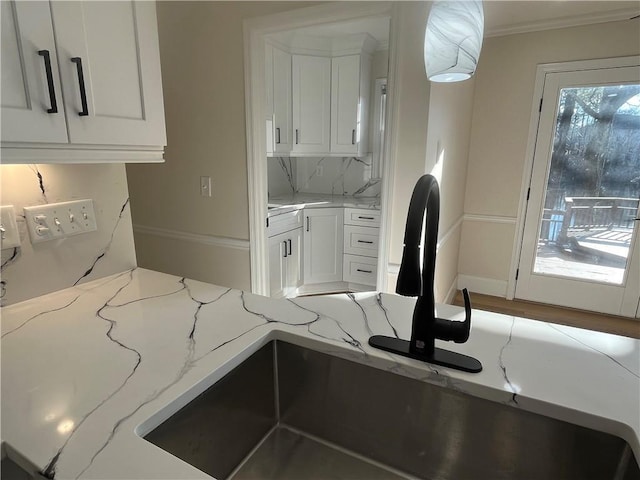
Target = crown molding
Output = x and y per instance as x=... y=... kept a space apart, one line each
x=563 y=22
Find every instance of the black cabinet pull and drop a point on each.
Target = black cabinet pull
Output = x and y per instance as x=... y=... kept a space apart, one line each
x=366 y=218
x=277 y=134
x=52 y=90
x=353 y=137
x=363 y=271
x=297 y=136
x=364 y=241
x=289 y=240
x=308 y=223
x=83 y=92
x=285 y=248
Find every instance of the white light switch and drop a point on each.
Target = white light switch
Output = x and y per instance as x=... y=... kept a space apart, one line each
x=205 y=186
x=9 y=227
x=58 y=220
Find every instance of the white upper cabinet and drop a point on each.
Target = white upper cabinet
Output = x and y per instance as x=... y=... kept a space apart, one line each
x=282 y=98
x=311 y=104
x=31 y=97
x=108 y=88
x=349 y=104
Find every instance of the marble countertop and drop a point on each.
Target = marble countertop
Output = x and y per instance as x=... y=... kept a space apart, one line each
x=286 y=203
x=85 y=367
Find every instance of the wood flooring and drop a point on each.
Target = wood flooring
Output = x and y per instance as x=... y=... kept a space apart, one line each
x=627 y=327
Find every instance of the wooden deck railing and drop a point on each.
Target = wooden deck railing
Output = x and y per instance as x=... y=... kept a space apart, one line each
x=588 y=214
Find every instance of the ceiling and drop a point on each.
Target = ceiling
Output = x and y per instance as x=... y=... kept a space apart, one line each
x=503 y=18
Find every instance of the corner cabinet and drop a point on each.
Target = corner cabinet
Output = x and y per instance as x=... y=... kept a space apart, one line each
x=81 y=82
x=323 y=245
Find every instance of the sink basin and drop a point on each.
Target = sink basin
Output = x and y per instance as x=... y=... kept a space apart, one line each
x=288 y=412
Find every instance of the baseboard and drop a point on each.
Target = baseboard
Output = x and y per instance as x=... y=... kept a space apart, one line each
x=192 y=237
x=486 y=286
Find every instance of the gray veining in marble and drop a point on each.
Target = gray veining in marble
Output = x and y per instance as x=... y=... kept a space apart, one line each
x=32 y=270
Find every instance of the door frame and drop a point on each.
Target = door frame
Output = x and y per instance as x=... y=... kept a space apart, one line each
x=541 y=72
x=255 y=30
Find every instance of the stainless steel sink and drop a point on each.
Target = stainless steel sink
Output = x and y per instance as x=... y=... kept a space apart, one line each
x=288 y=412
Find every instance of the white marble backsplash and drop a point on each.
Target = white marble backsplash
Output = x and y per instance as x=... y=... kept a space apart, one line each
x=349 y=176
x=32 y=270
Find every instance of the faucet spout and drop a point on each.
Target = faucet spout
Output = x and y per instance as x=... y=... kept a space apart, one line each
x=413 y=281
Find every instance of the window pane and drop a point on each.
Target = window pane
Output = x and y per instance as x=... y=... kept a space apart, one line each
x=593 y=185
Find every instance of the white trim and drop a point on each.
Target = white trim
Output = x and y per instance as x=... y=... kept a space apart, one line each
x=74 y=154
x=393 y=268
x=445 y=238
x=471 y=217
x=541 y=73
x=563 y=22
x=486 y=286
x=223 y=242
x=255 y=30
x=451 y=293
x=391 y=140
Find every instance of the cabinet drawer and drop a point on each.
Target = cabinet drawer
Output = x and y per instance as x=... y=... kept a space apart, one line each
x=284 y=222
x=358 y=269
x=361 y=240
x=362 y=217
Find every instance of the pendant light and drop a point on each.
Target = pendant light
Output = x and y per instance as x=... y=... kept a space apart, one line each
x=453 y=40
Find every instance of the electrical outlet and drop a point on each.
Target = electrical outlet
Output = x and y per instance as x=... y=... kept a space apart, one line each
x=9 y=227
x=59 y=220
x=205 y=186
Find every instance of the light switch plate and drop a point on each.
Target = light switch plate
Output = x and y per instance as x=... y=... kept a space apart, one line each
x=205 y=186
x=59 y=220
x=10 y=236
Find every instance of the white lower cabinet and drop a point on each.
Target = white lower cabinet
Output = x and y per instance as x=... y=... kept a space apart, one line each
x=285 y=255
x=323 y=245
x=284 y=264
x=361 y=239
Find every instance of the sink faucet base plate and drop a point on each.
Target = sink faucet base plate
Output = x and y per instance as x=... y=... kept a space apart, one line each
x=441 y=357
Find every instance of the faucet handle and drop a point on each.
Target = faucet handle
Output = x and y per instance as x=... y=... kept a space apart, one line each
x=455 y=331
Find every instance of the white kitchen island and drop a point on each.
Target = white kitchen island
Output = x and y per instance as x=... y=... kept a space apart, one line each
x=84 y=370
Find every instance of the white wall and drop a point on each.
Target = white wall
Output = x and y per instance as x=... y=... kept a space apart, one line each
x=501 y=113
x=32 y=270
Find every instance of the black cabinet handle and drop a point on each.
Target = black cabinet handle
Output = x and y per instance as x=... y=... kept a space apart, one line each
x=353 y=137
x=364 y=241
x=83 y=92
x=277 y=134
x=52 y=90
x=308 y=223
x=366 y=218
x=297 y=136
x=364 y=271
x=289 y=240
x=285 y=248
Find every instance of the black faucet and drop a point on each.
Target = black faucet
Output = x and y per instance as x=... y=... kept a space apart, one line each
x=411 y=282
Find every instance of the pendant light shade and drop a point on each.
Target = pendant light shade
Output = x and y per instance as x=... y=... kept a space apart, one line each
x=453 y=40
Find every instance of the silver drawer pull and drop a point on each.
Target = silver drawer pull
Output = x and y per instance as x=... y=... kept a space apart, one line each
x=365 y=241
x=366 y=218
x=363 y=271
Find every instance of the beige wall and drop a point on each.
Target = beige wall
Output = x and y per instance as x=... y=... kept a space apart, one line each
x=501 y=113
x=201 y=50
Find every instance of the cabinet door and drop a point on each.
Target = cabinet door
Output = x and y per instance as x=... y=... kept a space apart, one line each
x=345 y=104
x=311 y=104
x=30 y=81
x=294 y=261
x=277 y=265
x=119 y=99
x=323 y=245
x=282 y=109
